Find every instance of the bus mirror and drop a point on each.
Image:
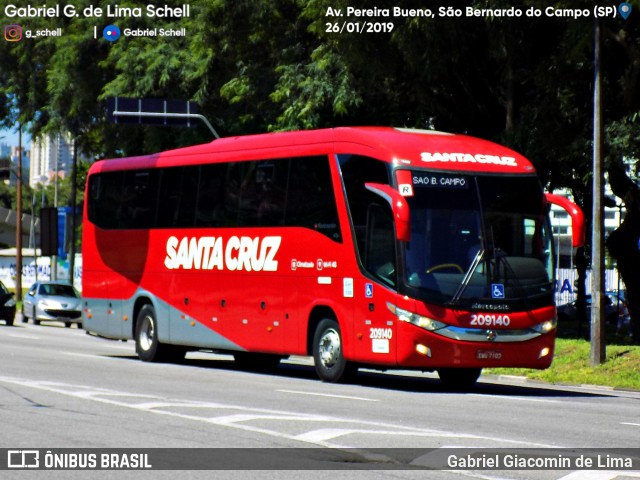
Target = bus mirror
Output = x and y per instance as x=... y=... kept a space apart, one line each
x=577 y=217
x=399 y=208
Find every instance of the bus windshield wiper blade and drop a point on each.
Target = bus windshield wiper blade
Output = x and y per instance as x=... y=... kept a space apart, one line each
x=467 y=277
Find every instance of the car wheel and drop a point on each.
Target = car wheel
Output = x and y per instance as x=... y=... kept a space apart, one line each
x=328 y=355
x=148 y=347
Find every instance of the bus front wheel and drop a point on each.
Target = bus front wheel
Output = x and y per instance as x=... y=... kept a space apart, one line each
x=459 y=378
x=328 y=356
x=148 y=347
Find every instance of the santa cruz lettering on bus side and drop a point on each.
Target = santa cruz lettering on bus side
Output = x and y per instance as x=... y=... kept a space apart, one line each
x=468 y=158
x=211 y=253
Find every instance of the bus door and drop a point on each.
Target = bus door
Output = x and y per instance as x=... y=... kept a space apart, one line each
x=373 y=320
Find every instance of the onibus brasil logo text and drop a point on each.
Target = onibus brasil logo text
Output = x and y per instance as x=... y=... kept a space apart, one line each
x=215 y=253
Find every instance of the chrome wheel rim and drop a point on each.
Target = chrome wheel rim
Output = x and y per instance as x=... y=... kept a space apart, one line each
x=329 y=348
x=147 y=333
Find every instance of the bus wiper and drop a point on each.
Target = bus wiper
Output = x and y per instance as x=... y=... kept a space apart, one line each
x=467 y=277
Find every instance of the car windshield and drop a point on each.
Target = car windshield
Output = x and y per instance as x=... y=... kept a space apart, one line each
x=58 y=290
x=478 y=238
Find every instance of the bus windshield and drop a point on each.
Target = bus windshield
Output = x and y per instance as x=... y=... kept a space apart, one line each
x=478 y=239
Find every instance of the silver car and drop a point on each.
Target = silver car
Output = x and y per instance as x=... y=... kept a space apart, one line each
x=52 y=301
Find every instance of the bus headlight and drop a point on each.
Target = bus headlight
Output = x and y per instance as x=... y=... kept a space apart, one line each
x=418 y=320
x=546 y=327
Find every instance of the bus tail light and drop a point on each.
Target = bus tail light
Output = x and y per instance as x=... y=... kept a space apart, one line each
x=418 y=320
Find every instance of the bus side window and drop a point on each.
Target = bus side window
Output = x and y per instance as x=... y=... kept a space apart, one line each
x=210 y=201
x=356 y=171
x=139 y=197
x=105 y=191
x=380 y=255
x=311 y=197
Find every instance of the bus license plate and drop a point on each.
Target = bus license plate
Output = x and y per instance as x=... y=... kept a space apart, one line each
x=489 y=355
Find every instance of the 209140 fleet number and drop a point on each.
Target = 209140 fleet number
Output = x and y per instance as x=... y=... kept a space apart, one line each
x=490 y=320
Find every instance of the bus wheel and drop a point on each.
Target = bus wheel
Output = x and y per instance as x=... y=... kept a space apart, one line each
x=331 y=366
x=148 y=347
x=459 y=378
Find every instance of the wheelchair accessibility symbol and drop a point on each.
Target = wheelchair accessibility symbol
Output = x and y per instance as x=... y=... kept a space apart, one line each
x=497 y=290
x=368 y=290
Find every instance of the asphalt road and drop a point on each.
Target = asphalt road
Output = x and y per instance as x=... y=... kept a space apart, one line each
x=62 y=389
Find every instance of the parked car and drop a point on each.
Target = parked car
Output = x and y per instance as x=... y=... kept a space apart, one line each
x=52 y=301
x=613 y=301
x=7 y=305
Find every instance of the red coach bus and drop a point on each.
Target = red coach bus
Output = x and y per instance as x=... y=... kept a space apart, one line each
x=376 y=247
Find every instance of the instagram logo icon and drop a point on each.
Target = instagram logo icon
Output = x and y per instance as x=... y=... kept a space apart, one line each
x=13 y=33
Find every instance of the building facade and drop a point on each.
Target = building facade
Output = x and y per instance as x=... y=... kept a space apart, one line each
x=51 y=156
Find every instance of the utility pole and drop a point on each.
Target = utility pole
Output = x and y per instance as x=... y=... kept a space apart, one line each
x=74 y=174
x=19 y=217
x=598 y=347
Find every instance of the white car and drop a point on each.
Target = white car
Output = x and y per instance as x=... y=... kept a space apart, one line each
x=52 y=301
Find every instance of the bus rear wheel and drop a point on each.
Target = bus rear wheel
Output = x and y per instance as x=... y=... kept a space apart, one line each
x=459 y=378
x=328 y=356
x=148 y=347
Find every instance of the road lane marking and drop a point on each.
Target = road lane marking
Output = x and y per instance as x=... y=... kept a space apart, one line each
x=600 y=475
x=151 y=405
x=520 y=399
x=629 y=423
x=330 y=395
x=22 y=335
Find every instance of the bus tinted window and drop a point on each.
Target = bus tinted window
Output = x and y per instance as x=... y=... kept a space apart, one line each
x=356 y=171
x=169 y=199
x=311 y=199
x=210 y=203
x=294 y=192
x=138 y=196
x=105 y=192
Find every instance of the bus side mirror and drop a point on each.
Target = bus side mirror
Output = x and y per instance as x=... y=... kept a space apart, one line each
x=577 y=217
x=399 y=208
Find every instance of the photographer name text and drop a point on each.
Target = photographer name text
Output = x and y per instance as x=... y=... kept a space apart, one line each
x=110 y=11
